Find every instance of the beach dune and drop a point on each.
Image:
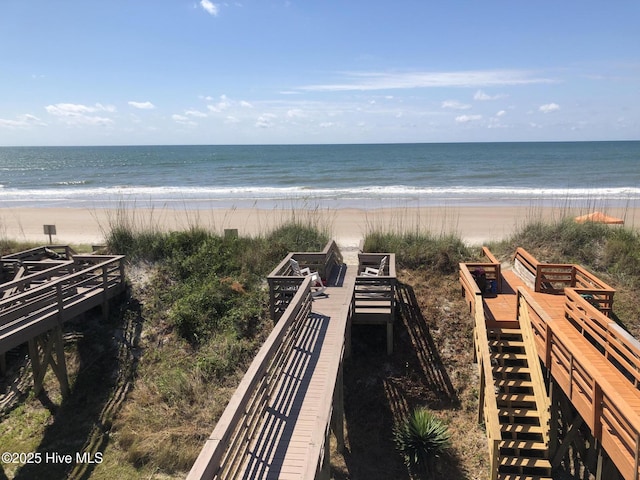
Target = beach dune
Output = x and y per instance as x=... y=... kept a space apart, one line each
x=475 y=225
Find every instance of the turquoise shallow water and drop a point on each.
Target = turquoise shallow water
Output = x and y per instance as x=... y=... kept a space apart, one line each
x=323 y=175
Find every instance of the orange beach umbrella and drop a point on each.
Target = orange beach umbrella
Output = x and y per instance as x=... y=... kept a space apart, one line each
x=599 y=217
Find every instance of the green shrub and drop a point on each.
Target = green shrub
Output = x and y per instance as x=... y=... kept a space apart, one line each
x=421 y=439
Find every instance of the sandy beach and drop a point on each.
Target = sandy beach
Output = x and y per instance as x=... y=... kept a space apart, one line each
x=348 y=226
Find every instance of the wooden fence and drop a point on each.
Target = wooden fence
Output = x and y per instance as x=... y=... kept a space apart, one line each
x=224 y=452
x=283 y=284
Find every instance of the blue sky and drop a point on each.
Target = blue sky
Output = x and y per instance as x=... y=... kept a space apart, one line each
x=122 y=72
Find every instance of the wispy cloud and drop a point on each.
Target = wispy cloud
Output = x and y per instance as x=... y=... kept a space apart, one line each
x=483 y=97
x=78 y=114
x=22 y=121
x=183 y=120
x=455 y=105
x=142 y=105
x=388 y=81
x=195 y=113
x=209 y=7
x=549 y=107
x=468 y=118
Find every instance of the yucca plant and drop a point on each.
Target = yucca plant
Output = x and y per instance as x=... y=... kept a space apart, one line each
x=421 y=439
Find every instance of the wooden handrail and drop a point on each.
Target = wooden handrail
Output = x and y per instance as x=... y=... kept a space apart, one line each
x=34 y=311
x=612 y=421
x=531 y=350
x=227 y=441
x=487 y=401
x=618 y=346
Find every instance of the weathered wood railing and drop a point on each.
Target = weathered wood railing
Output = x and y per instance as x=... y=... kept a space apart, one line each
x=487 y=404
x=32 y=273
x=374 y=297
x=283 y=284
x=554 y=278
x=223 y=453
x=587 y=382
x=36 y=310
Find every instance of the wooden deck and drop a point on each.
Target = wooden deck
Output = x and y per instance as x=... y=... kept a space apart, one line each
x=43 y=288
x=283 y=432
x=572 y=339
x=289 y=441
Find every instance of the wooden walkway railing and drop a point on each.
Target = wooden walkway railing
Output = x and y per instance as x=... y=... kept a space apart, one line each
x=283 y=284
x=225 y=452
x=277 y=424
x=374 y=296
x=608 y=401
x=593 y=360
x=35 y=305
x=487 y=406
x=554 y=278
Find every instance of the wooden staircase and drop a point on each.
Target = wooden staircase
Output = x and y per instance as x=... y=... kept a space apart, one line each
x=523 y=453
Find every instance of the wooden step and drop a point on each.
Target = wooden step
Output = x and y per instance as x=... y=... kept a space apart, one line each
x=511 y=428
x=514 y=371
x=514 y=383
x=498 y=333
x=509 y=356
x=515 y=444
x=518 y=412
x=516 y=398
x=501 y=342
x=521 y=476
x=525 y=462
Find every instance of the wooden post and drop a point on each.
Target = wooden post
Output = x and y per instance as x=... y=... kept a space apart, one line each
x=3 y=364
x=555 y=418
x=338 y=411
x=482 y=392
x=40 y=351
x=390 y=336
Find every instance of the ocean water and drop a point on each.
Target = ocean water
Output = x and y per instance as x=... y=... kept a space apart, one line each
x=363 y=176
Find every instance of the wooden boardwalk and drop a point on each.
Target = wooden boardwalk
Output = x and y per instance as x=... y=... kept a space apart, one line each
x=288 y=442
x=42 y=289
x=588 y=357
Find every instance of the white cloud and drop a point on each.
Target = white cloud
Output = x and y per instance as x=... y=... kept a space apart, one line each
x=142 y=105
x=209 y=7
x=183 y=120
x=549 y=107
x=468 y=118
x=483 y=97
x=195 y=113
x=22 y=121
x=265 y=120
x=501 y=113
x=455 y=105
x=78 y=114
x=385 y=81
x=295 y=113
x=222 y=105
x=246 y=104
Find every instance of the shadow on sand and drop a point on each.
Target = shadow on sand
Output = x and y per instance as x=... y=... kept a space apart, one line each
x=81 y=423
